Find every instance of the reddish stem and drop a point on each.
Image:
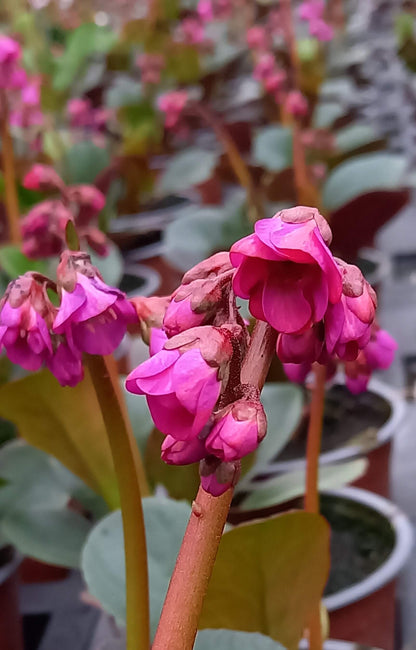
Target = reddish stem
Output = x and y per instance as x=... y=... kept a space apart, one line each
x=11 y=200
x=183 y=604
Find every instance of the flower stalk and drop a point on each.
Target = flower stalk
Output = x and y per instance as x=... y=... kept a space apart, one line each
x=11 y=200
x=189 y=583
x=132 y=485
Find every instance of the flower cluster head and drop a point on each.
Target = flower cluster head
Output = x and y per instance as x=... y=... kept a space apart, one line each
x=269 y=74
x=172 y=104
x=12 y=76
x=82 y=115
x=43 y=228
x=209 y=10
x=150 y=66
x=92 y=317
x=312 y=11
x=258 y=38
x=197 y=335
x=191 y=31
x=296 y=104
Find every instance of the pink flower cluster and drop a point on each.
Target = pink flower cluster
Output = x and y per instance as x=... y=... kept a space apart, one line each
x=92 y=317
x=43 y=228
x=172 y=104
x=82 y=115
x=150 y=66
x=312 y=11
x=189 y=372
x=23 y=93
x=209 y=10
x=191 y=30
x=323 y=308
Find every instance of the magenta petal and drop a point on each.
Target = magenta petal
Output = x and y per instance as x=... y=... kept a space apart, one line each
x=99 y=298
x=100 y=335
x=251 y=273
x=284 y=305
x=154 y=376
x=170 y=417
x=158 y=339
x=10 y=316
x=70 y=304
x=190 y=376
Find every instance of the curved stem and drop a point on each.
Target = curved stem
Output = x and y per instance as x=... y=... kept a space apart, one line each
x=235 y=158
x=7 y=153
x=132 y=486
x=183 y=604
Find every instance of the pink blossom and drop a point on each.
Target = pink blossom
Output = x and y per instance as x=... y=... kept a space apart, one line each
x=181 y=390
x=209 y=10
x=265 y=67
x=172 y=104
x=286 y=270
x=11 y=76
x=92 y=315
x=182 y=452
x=321 y=30
x=79 y=112
x=311 y=10
x=180 y=316
x=296 y=104
x=258 y=38
x=43 y=178
x=151 y=66
x=274 y=82
x=378 y=354
x=217 y=477
x=88 y=199
x=238 y=430
x=306 y=347
x=191 y=30
x=205 y=10
x=27 y=111
x=66 y=363
x=43 y=229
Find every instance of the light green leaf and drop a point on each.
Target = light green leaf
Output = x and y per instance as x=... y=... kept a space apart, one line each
x=15 y=263
x=354 y=136
x=326 y=113
x=82 y=42
x=290 y=485
x=111 y=267
x=273 y=148
x=83 y=162
x=362 y=174
x=231 y=640
x=269 y=576
x=225 y=50
x=103 y=556
x=186 y=169
x=75 y=436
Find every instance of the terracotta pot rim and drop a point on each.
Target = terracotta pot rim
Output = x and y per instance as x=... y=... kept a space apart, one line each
x=392 y=566
x=349 y=452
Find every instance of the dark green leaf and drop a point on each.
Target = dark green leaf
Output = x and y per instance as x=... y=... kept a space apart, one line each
x=15 y=263
x=83 y=162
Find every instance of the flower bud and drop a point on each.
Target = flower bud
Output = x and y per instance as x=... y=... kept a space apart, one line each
x=43 y=178
x=238 y=430
x=182 y=452
x=218 y=477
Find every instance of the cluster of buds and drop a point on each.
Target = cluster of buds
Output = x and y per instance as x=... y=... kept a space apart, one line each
x=191 y=380
x=150 y=66
x=191 y=30
x=172 y=104
x=92 y=317
x=82 y=115
x=21 y=93
x=44 y=226
x=312 y=11
x=323 y=308
x=209 y=10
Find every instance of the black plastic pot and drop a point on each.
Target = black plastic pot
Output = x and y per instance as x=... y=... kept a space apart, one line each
x=11 y=634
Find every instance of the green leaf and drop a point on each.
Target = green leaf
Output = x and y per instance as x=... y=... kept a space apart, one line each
x=140 y=417
x=111 y=266
x=103 y=563
x=290 y=485
x=355 y=136
x=186 y=169
x=225 y=50
x=404 y=26
x=64 y=422
x=269 y=576
x=182 y=63
x=326 y=113
x=230 y=640
x=82 y=42
x=124 y=91
x=283 y=406
x=273 y=148
x=15 y=263
x=83 y=162
x=363 y=174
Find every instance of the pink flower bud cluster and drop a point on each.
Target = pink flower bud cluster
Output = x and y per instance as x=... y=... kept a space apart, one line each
x=191 y=30
x=189 y=372
x=43 y=228
x=323 y=308
x=209 y=10
x=23 y=93
x=92 y=317
x=312 y=11
x=82 y=115
x=150 y=66
x=172 y=104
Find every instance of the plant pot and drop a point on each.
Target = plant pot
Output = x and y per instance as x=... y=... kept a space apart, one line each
x=139 y=280
x=364 y=611
x=152 y=257
x=375 y=265
x=11 y=634
x=354 y=426
x=33 y=571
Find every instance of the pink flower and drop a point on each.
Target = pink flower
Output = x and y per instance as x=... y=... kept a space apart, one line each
x=43 y=178
x=79 y=112
x=205 y=10
x=11 y=76
x=180 y=316
x=182 y=452
x=92 y=315
x=348 y=322
x=191 y=30
x=23 y=330
x=265 y=67
x=181 y=380
x=181 y=389
x=258 y=38
x=66 y=364
x=238 y=430
x=378 y=354
x=296 y=104
x=209 y=10
x=274 y=82
x=151 y=66
x=172 y=104
x=43 y=229
x=89 y=201
x=321 y=30
x=286 y=270
x=306 y=347
x=311 y=10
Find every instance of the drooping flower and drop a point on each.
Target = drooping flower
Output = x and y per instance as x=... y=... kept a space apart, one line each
x=172 y=104
x=92 y=315
x=43 y=229
x=12 y=76
x=182 y=382
x=238 y=430
x=65 y=363
x=27 y=110
x=151 y=66
x=216 y=476
x=286 y=270
x=257 y=38
x=296 y=104
x=43 y=178
x=182 y=452
x=378 y=354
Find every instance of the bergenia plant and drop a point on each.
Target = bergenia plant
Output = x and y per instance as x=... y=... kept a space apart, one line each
x=203 y=378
